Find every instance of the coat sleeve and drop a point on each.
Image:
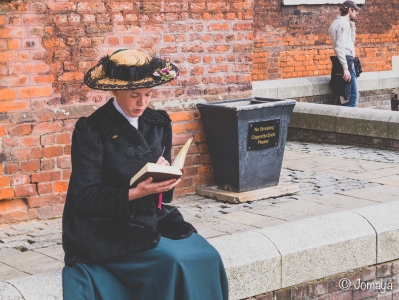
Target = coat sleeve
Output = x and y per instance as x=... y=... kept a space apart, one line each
x=90 y=194
x=340 y=43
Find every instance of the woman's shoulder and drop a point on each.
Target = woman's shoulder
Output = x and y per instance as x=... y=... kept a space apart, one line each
x=88 y=125
x=159 y=117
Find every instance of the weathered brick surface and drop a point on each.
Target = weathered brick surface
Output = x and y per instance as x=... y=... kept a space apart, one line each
x=293 y=41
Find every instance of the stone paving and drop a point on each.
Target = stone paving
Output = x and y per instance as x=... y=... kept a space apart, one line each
x=331 y=178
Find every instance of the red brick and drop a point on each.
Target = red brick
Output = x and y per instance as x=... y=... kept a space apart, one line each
x=14 y=81
x=198 y=181
x=11 y=168
x=44 y=188
x=6 y=56
x=3 y=19
x=41 y=201
x=36 y=68
x=20 y=129
x=60 y=186
x=205 y=169
x=45 y=176
x=30 y=166
x=96 y=7
x=5 y=193
x=15 y=32
x=202 y=159
x=25 y=190
x=192 y=126
x=66 y=174
x=9 y=142
x=13 y=44
x=177 y=128
x=7 y=94
x=64 y=162
x=32 y=92
x=63 y=138
x=180 y=139
x=49 y=127
x=4 y=181
x=20 y=154
x=37 y=153
x=47 y=164
x=28 y=141
x=62 y=7
x=180 y=116
x=52 y=151
x=3 y=130
x=47 y=139
x=19 y=180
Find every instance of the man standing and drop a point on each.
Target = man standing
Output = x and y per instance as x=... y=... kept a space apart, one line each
x=342 y=32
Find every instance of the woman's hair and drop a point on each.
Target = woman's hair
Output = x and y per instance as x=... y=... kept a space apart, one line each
x=344 y=10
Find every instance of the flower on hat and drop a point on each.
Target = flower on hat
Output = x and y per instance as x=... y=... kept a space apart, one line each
x=166 y=73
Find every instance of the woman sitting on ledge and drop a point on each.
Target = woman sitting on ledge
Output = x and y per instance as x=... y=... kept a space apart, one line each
x=118 y=243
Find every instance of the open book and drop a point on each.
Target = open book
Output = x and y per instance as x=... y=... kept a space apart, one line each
x=162 y=172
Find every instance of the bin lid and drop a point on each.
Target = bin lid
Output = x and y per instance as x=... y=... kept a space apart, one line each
x=248 y=103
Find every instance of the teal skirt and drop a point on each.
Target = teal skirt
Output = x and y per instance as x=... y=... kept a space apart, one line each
x=187 y=269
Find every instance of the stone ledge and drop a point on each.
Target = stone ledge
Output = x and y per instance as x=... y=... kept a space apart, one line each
x=347 y=120
x=279 y=190
x=273 y=258
x=319 y=85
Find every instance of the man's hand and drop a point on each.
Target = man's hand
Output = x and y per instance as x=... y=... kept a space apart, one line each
x=347 y=75
x=353 y=24
x=147 y=187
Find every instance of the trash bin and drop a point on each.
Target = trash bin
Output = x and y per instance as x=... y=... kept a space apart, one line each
x=246 y=139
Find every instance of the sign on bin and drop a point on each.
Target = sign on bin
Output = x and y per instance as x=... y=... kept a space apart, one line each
x=263 y=135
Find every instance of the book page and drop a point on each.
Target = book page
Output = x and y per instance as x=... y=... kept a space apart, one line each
x=181 y=156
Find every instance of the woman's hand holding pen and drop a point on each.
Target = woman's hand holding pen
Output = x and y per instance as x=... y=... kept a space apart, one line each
x=147 y=187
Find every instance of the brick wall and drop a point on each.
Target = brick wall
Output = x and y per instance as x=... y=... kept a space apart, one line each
x=46 y=47
x=293 y=41
x=363 y=286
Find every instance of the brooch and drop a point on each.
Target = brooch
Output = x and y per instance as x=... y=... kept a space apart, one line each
x=139 y=152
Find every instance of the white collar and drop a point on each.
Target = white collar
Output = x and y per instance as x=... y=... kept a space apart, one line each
x=132 y=120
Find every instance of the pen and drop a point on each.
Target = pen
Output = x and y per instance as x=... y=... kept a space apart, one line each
x=163 y=150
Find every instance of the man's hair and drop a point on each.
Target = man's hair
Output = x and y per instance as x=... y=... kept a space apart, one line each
x=344 y=10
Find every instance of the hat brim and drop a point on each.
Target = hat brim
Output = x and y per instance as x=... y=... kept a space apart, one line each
x=96 y=79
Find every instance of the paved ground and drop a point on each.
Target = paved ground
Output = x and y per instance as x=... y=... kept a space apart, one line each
x=331 y=179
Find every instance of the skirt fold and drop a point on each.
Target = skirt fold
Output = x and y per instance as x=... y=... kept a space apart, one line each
x=187 y=269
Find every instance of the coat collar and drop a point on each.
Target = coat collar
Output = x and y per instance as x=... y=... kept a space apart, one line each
x=112 y=121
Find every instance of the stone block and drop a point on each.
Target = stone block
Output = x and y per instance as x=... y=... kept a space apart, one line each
x=265 y=89
x=226 y=196
x=321 y=85
x=315 y=116
x=368 y=81
x=326 y=245
x=41 y=286
x=252 y=262
x=384 y=219
x=294 y=87
x=388 y=79
x=363 y=122
x=8 y=292
x=393 y=127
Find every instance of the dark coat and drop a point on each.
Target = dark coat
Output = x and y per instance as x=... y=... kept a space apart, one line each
x=98 y=221
x=340 y=86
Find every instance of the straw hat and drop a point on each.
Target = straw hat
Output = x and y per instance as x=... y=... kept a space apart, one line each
x=130 y=69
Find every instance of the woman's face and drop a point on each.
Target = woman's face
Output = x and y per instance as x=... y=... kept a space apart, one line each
x=133 y=102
